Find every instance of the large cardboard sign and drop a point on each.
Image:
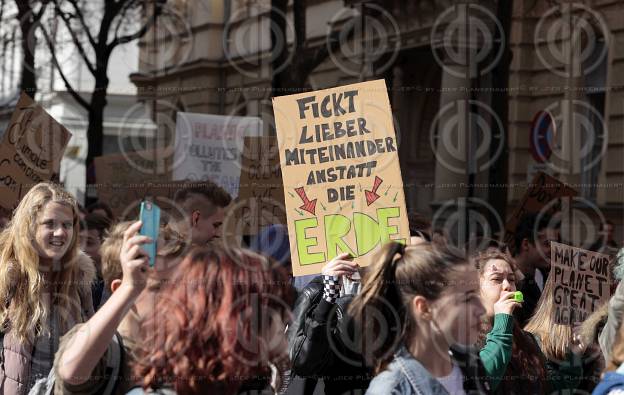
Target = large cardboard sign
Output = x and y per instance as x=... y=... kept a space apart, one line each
x=209 y=147
x=581 y=282
x=544 y=191
x=342 y=181
x=261 y=195
x=122 y=179
x=31 y=151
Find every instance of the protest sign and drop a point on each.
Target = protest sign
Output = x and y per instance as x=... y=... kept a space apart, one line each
x=31 y=150
x=209 y=147
x=342 y=181
x=581 y=281
x=122 y=179
x=544 y=191
x=261 y=194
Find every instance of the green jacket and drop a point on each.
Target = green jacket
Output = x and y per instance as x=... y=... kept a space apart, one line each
x=496 y=353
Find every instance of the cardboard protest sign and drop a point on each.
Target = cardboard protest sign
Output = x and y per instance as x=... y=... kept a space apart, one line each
x=544 y=191
x=209 y=147
x=31 y=150
x=261 y=194
x=342 y=181
x=122 y=179
x=581 y=281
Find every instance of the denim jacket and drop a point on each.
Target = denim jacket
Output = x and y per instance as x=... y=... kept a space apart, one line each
x=405 y=375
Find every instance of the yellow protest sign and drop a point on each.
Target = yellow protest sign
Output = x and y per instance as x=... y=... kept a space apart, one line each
x=581 y=282
x=342 y=180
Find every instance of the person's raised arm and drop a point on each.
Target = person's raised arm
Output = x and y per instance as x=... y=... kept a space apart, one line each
x=309 y=346
x=88 y=345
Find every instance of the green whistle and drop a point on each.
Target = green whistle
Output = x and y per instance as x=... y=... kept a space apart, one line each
x=518 y=297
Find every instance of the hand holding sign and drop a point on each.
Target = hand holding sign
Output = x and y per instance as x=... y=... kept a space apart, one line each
x=341 y=265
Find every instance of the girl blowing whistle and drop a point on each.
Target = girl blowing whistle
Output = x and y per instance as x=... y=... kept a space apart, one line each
x=511 y=357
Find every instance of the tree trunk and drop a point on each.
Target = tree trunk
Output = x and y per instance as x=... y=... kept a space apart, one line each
x=28 y=81
x=95 y=130
x=500 y=104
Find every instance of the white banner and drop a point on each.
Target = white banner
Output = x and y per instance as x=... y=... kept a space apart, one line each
x=209 y=147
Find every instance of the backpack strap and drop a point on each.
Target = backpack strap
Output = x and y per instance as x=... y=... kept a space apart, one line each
x=113 y=364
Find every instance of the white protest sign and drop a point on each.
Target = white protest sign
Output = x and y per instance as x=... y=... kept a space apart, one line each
x=209 y=147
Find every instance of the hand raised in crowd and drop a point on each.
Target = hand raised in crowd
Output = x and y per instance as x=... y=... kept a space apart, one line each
x=506 y=303
x=134 y=259
x=341 y=265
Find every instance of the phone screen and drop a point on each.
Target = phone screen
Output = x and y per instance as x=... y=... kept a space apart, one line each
x=150 y=218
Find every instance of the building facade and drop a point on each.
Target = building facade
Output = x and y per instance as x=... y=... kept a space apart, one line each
x=461 y=146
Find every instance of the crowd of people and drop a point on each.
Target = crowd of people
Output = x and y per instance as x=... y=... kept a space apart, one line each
x=83 y=311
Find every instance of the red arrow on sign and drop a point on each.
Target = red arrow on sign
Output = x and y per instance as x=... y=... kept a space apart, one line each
x=308 y=205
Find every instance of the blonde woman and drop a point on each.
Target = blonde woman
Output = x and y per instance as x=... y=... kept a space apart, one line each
x=562 y=345
x=45 y=284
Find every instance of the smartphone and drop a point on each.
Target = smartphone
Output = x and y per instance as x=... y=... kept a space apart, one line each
x=150 y=218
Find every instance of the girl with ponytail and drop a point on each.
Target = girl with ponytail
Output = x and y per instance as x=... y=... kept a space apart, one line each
x=421 y=309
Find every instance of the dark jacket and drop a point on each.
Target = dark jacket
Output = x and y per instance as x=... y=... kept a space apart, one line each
x=532 y=294
x=320 y=342
x=405 y=375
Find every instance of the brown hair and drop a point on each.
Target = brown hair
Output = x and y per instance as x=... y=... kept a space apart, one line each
x=170 y=245
x=390 y=283
x=97 y=222
x=526 y=371
x=481 y=259
x=199 y=338
x=188 y=198
x=110 y=249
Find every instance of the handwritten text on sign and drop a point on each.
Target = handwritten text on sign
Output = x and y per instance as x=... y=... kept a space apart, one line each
x=209 y=147
x=342 y=181
x=581 y=282
x=31 y=150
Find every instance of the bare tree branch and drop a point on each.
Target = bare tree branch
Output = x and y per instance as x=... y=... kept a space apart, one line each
x=2 y=4
x=118 y=40
x=79 y=14
x=74 y=36
x=70 y=88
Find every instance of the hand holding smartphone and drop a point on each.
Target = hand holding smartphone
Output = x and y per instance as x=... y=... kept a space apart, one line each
x=150 y=218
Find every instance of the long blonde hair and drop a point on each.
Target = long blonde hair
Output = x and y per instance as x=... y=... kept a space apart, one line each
x=22 y=310
x=555 y=338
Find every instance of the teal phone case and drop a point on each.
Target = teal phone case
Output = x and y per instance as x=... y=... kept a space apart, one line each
x=150 y=218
